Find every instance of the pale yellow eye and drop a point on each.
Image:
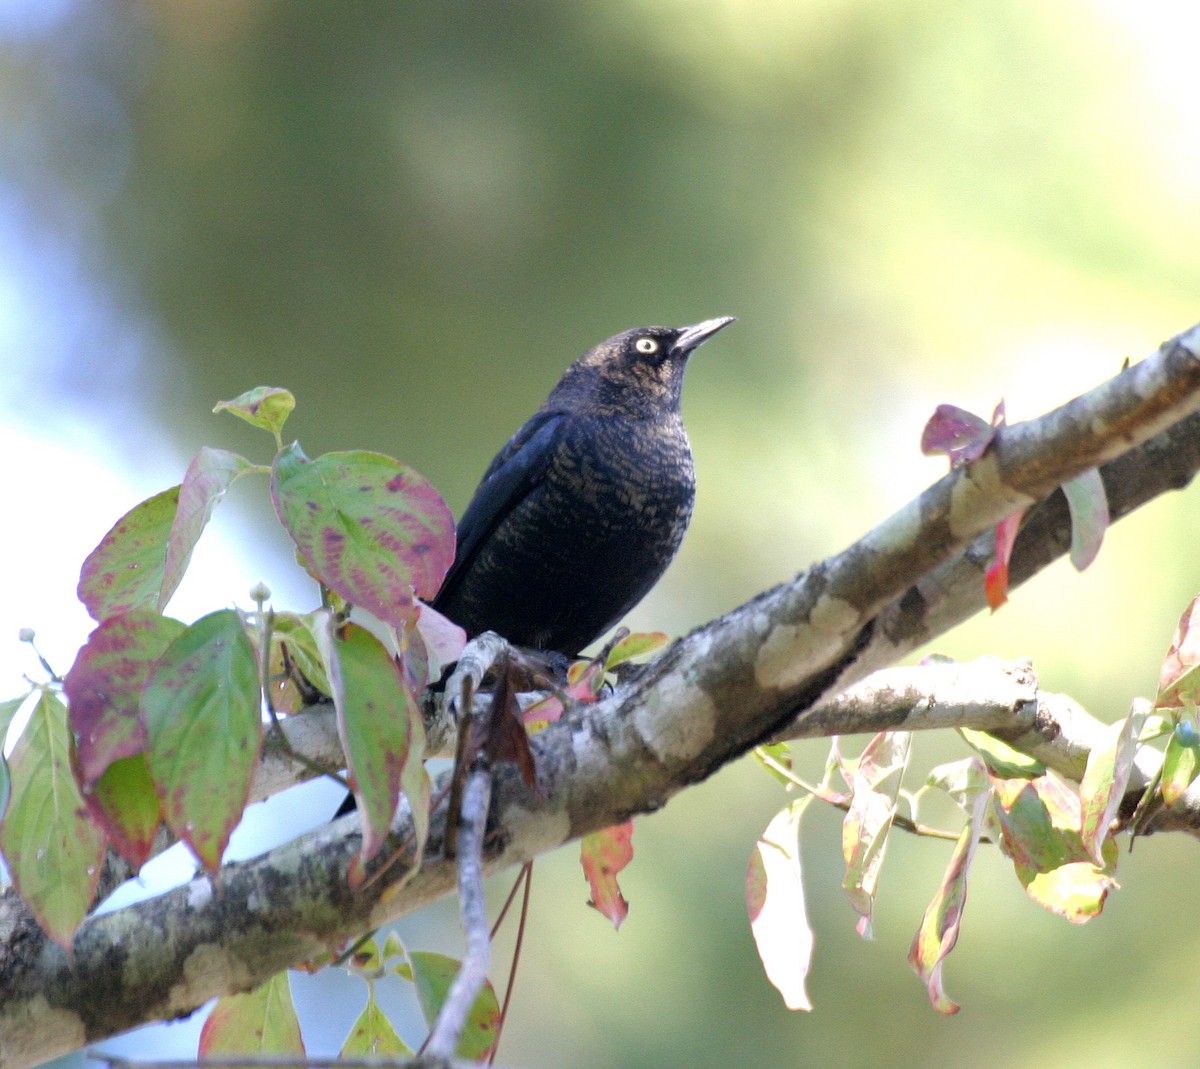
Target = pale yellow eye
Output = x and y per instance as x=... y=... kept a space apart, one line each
x=646 y=346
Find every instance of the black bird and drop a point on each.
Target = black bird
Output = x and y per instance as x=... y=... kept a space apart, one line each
x=581 y=512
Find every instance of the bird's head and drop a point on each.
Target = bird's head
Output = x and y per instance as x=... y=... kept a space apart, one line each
x=641 y=369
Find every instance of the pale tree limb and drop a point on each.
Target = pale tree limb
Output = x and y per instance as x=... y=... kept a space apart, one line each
x=707 y=700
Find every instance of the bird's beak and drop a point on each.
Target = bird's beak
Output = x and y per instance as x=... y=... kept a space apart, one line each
x=697 y=334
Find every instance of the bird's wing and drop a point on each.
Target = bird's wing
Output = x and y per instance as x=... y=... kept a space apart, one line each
x=514 y=472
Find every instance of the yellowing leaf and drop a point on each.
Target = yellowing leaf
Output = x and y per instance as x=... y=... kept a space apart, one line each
x=603 y=855
x=262 y=1021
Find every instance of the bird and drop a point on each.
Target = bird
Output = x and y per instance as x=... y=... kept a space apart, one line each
x=583 y=508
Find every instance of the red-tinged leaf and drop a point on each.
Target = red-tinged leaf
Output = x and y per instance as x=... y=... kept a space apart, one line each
x=1039 y=824
x=876 y=786
x=104 y=687
x=265 y=407
x=262 y=1021
x=775 y=901
x=432 y=974
x=210 y=474
x=1178 y=679
x=603 y=855
x=442 y=636
x=52 y=849
x=125 y=571
x=958 y=434
x=938 y=932
x=379 y=723
x=373 y=1035
x=125 y=804
x=584 y=681
x=371 y=528
x=639 y=644
x=995 y=579
x=1181 y=761
x=1088 y=505
x=201 y=708
x=1104 y=782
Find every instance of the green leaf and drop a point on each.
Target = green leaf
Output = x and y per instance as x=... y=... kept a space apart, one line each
x=201 y=707
x=125 y=571
x=370 y=528
x=775 y=901
x=603 y=855
x=125 y=804
x=1088 y=505
x=1181 y=761
x=52 y=849
x=876 y=786
x=379 y=723
x=373 y=1035
x=265 y=407
x=1001 y=758
x=104 y=687
x=210 y=474
x=638 y=644
x=262 y=1021
x=432 y=974
x=938 y=931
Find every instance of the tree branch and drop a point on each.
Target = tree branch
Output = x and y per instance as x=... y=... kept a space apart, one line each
x=712 y=696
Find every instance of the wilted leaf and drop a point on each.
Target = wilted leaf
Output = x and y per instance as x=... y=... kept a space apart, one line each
x=52 y=849
x=265 y=407
x=373 y=1035
x=938 y=932
x=104 y=687
x=262 y=1021
x=210 y=474
x=1088 y=505
x=371 y=528
x=201 y=707
x=876 y=786
x=125 y=571
x=995 y=579
x=379 y=724
x=1104 y=781
x=1178 y=681
x=775 y=900
x=603 y=855
x=432 y=974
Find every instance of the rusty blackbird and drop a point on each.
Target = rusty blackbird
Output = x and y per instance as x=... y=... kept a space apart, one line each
x=581 y=512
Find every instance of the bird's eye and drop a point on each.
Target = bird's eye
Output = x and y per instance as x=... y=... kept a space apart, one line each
x=646 y=346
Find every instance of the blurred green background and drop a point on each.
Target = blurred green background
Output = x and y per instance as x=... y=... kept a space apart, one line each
x=415 y=215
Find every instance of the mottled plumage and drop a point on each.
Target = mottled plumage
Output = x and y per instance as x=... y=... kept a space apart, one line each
x=581 y=512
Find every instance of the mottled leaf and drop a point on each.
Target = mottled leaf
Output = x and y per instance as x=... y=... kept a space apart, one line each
x=875 y=784
x=432 y=974
x=378 y=720
x=104 y=687
x=371 y=528
x=1088 y=505
x=53 y=851
x=262 y=1021
x=265 y=407
x=202 y=710
x=1109 y=765
x=1039 y=822
x=210 y=474
x=125 y=804
x=938 y=931
x=775 y=901
x=125 y=571
x=1178 y=679
x=373 y=1035
x=603 y=855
